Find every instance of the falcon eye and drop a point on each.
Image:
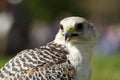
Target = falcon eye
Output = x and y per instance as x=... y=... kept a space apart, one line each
x=61 y=27
x=79 y=27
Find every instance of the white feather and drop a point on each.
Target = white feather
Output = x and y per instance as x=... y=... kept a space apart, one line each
x=80 y=61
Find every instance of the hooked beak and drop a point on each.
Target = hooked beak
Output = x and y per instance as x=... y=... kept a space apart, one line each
x=67 y=32
x=67 y=35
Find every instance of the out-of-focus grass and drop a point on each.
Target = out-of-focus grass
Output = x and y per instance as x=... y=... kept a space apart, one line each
x=3 y=60
x=104 y=68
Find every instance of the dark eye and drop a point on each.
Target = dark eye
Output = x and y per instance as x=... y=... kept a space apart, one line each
x=61 y=27
x=79 y=27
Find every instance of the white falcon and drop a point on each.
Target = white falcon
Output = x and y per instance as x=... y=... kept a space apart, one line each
x=65 y=58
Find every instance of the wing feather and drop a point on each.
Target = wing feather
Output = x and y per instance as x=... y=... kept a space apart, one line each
x=47 y=63
x=63 y=71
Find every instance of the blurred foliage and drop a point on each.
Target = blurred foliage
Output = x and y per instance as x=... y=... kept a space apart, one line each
x=3 y=60
x=49 y=9
x=46 y=9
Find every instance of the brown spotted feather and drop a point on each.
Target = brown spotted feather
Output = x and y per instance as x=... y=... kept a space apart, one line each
x=47 y=63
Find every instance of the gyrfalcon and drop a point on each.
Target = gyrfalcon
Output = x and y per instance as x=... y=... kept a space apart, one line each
x=67 y=57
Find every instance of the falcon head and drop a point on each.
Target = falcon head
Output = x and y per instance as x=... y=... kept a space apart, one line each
x=76 y=30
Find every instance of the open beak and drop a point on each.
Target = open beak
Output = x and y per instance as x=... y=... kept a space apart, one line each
x=67 y=35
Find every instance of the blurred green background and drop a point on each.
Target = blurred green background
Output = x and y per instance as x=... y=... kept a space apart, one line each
x=32 y=23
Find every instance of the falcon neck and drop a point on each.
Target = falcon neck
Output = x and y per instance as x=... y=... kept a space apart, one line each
x=78 y=57
x=83 y=49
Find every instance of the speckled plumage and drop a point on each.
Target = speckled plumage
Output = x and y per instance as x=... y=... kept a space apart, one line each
x=47 y=63
x=65 y=58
